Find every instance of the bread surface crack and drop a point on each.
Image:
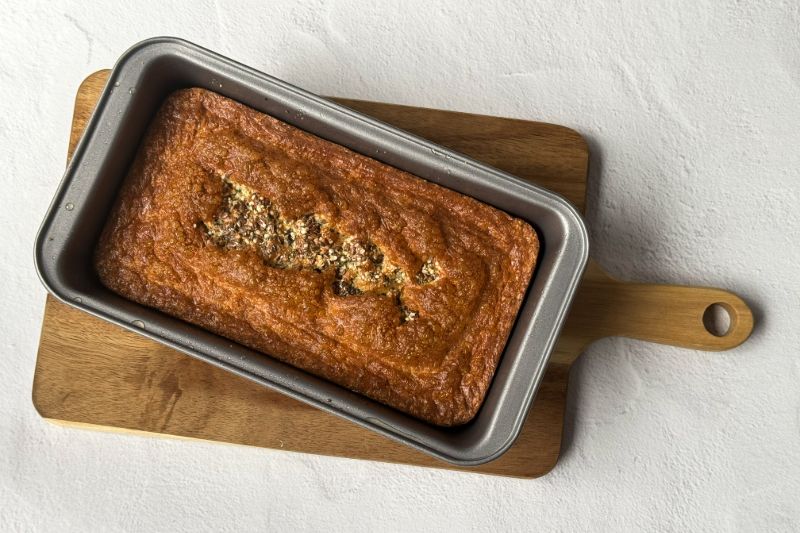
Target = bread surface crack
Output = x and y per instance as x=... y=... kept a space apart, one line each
x=246 y=220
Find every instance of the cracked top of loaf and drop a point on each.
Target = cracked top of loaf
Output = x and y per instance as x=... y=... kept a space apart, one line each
x=336 y=263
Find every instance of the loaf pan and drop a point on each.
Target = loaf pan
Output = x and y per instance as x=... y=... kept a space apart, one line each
x=141 y=80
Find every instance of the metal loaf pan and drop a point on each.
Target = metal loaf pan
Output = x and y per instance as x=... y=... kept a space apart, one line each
x=141 y=80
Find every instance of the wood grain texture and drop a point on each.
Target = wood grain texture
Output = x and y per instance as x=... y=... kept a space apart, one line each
x=91 y=373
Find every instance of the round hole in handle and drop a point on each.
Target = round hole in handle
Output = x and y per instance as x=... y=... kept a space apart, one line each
x=718 y=319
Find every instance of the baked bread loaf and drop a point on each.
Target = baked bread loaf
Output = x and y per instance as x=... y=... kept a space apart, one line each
x=331 y=261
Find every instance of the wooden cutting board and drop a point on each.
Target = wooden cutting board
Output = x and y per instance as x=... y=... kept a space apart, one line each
x=90 y=373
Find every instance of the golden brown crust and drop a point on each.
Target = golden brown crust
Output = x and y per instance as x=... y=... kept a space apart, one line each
x=435 y=363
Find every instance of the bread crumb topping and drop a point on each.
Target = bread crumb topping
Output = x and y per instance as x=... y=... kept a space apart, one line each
x=245 y=219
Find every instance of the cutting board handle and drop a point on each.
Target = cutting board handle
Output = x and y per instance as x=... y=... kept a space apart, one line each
x=666 y=314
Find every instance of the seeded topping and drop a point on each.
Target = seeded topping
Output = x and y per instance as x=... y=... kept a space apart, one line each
x=407 y=315
x=428 y=273
x=247 y=220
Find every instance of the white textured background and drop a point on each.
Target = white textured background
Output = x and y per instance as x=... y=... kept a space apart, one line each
x=692 y=109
